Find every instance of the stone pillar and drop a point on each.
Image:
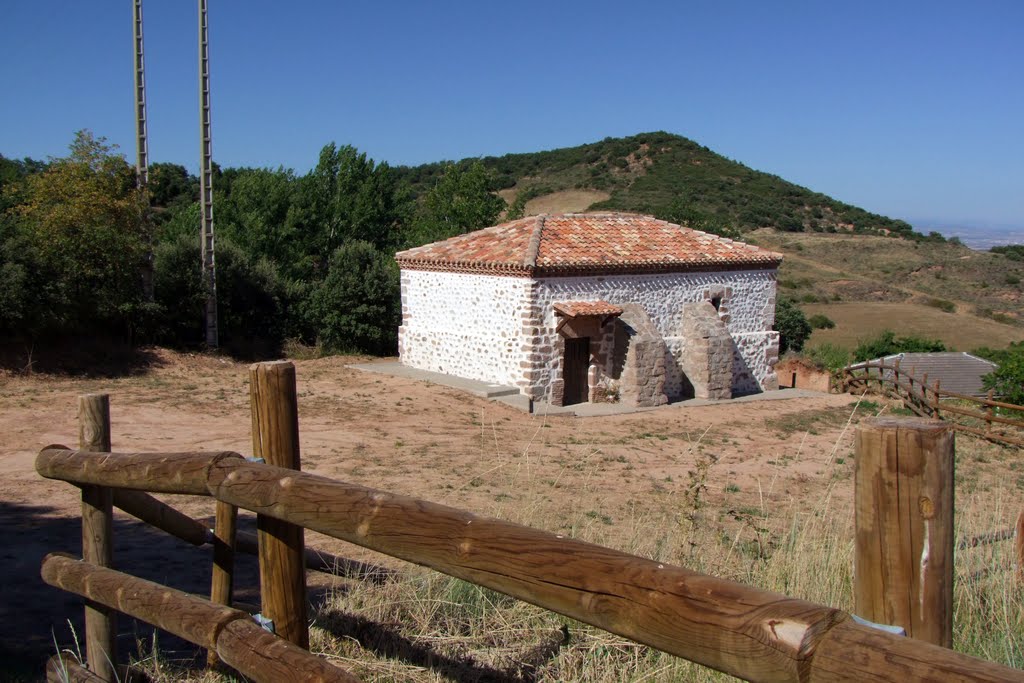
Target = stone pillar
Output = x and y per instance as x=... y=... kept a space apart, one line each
x=707 y=358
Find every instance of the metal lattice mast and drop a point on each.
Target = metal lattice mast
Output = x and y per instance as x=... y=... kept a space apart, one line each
x=206 y=181
x=141 y=132
x=142 y=145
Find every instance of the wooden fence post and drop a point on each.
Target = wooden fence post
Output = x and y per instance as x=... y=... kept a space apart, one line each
x=97 y=535
x=222 y=583
x=903 y=564
x=896 y=377
x=938 y=388
x=275 y=438
x=990 y=410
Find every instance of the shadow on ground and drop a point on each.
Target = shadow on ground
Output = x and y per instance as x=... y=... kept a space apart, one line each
x=36 y=618
x=384 y=641
x=101 y=358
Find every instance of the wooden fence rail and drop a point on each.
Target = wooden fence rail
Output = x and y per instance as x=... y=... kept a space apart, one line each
x=750 y=633
x=926 y=400
x=238 y=641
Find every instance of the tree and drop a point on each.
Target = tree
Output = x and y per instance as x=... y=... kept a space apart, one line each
x=12 y=175
x=83 y=217
x=357 y=306
x=255 y=215
x=1007 y=380
x=251 y=299
x=684 y=211
x=461 y=201
x=791 y=324
x=347 y=197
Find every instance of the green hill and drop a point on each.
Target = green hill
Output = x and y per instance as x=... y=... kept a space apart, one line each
x=674 y=178
x=839 y=257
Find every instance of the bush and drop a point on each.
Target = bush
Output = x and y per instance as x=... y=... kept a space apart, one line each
x=819 y=321
x=791 y=324
x=941 y=304
x=357 y=307
x=1007 y=381
x=251 y=301
x=828 y=356
x=888 y=344
x=1014 y=252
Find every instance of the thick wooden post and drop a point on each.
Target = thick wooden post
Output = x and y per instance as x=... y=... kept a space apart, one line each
x=97 y=535
x=938 y=387
x=222 y=585
x=903 y=565
x=275 y=438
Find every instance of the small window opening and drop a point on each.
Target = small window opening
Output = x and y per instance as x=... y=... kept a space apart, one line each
x=716 y=301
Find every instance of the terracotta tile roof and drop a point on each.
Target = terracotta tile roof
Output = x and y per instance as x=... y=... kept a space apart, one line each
x=586 y=244
x=574 y=309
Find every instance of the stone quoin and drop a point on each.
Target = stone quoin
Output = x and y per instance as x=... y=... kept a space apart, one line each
x=572 y=308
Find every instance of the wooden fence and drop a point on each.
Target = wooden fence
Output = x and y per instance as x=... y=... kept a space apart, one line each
x=750 y=633
x=985 y=417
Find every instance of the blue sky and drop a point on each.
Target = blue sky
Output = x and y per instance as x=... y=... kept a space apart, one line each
x=910 y=109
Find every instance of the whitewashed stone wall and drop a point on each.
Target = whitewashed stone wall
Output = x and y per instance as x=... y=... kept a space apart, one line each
x=465 y=325
x=748 y=307
x=753 y=364
x=502 y=329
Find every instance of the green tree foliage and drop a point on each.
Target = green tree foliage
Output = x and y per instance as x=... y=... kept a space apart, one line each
x=348 y=197
x=1007 y=380
x=12 y=174
x=648 y=173
x=888 y=344
x=29 y=291
x=791 y=324
x=1014 y=252
x=357 y=307
x=82 y=216
x=683 y=211
x=251 y=299
x=180 y=220
x=171 y=187
x=255 y=214
x=462 y=200
x=828 y=356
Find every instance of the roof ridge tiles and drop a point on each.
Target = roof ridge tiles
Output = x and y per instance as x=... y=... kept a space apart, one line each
x=533 y=248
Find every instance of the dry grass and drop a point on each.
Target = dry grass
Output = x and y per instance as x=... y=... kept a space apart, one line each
x=424 y=626
x=842 y=265
x=862 y=320
x=562 y=201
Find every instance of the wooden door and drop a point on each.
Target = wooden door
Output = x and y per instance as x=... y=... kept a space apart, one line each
x=577 y=363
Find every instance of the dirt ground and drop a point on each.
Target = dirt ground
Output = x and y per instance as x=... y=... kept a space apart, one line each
x=611 y=477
